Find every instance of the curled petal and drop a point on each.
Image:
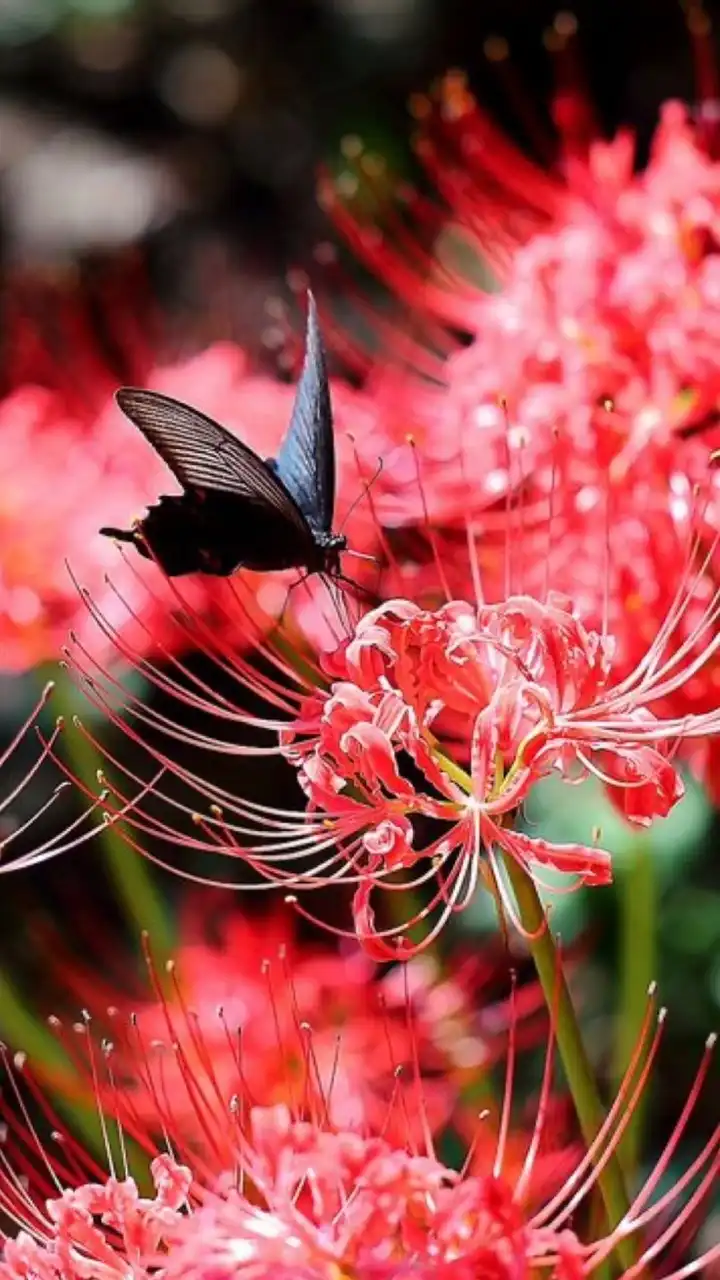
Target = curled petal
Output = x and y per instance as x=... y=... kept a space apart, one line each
x=643 y=784
x=367 y=744
x=391 y=843
x=368 y=936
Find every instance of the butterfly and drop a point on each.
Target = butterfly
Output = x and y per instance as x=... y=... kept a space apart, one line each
x=238 y=510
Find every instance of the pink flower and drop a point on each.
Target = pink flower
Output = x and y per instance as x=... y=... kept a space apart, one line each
x=614 y=305
x=97 y=1229
x=302 y=1197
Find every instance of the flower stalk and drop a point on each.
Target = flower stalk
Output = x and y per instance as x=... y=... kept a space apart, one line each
x=637 y=902
x=578 y=1070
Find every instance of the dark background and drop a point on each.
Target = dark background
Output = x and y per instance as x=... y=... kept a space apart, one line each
x=234 y=103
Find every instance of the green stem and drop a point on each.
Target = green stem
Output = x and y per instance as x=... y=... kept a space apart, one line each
x=578 y=1071
x=637 y=901
x=135 y=885
x=24 y=1031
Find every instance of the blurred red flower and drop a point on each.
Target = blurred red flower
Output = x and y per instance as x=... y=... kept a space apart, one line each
x=576 y=420
x=299 y=1022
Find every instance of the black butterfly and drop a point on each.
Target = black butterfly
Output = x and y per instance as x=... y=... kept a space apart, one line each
x=238 y=510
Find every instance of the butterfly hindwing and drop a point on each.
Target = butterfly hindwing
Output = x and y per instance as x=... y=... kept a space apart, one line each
x=306 y=461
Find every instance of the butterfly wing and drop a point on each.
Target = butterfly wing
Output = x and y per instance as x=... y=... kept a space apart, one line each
x=204 y=456
x=306 y=461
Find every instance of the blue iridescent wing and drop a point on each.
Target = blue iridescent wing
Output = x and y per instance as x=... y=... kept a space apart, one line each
x=306 y=461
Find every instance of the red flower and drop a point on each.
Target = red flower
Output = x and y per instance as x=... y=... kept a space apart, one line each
x=529 y=690
x=306 y=1198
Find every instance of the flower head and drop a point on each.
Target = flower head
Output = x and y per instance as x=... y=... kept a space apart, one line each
x=517 y=690
x=302 y=1197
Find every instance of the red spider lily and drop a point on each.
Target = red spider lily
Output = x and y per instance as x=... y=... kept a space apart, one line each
x=533 y=690
x=257 y=996
x=417 y=740
x=18 y=847
x=300 y=1197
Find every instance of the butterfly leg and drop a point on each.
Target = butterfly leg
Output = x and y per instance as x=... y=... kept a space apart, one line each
x=339 y=598
x=293 y=585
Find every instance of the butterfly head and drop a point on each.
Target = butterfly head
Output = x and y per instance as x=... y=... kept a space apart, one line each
x=331 y=546
x=134 y=535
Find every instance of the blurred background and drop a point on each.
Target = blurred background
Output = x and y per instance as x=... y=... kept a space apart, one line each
x=160 y=157
x=200 y=125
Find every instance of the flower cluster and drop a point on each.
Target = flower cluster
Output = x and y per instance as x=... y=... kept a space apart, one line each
x=523 y=689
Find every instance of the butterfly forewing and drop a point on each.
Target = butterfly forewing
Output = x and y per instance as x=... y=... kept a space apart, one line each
x=306 y=461
x=203 y=455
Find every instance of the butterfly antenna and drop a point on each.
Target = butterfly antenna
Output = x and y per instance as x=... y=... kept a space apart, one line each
x=361 y=592
x=365 y=489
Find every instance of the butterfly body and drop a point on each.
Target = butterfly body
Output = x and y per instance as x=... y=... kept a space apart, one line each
x=238 y=510
x=186 y=534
